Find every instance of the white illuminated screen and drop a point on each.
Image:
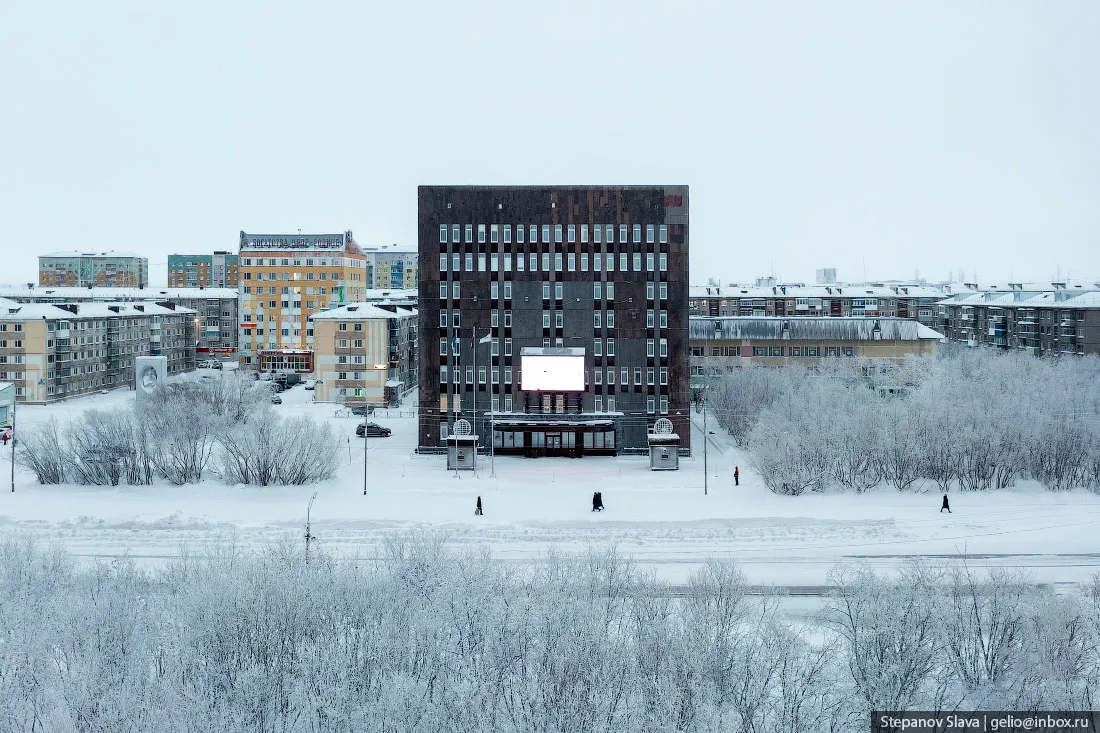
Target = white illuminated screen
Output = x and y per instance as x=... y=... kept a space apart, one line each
x=552 y=373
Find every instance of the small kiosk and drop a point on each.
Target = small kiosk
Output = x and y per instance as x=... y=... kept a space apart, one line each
x=664 y=447
x=461 y=447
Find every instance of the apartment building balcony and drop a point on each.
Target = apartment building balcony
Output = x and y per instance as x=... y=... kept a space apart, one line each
x=62 y=333
x=62 y=345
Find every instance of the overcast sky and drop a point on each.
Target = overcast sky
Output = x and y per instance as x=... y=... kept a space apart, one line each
x=877 y=137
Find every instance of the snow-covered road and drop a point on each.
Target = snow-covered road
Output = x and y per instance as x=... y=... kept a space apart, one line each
x=662 y=519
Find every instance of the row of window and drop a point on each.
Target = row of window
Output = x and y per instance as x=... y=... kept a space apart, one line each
x=297 y=262
x=600 y=233
x=796 y=351
x=285 y=290
x=497 y=262
x=297 y=276
x=595 y=376
x=598 y=440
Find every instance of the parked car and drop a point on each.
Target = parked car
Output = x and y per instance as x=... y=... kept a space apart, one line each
x=372 y=430
x=361 y=409
x=276 y=400
x=310 y=383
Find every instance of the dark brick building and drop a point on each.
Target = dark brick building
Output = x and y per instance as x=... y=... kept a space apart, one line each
x=600 y=268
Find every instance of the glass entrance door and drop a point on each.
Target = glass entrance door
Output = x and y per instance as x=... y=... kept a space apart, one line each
x=553 y=444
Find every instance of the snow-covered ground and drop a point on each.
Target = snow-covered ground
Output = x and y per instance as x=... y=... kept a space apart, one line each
x=662 y=519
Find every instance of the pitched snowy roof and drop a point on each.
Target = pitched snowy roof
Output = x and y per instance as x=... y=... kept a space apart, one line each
x=1027 y=299
x=801 y=328
x=800 y=290
x=13 y=311
x=78 y=253
x=362 y=312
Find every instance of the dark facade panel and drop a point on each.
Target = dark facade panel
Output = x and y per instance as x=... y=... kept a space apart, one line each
x=568 y=215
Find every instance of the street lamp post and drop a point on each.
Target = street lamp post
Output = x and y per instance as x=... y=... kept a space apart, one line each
x=13 y=444
x=375 y=368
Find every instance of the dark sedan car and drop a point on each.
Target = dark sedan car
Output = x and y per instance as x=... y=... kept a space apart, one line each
x=372 y=430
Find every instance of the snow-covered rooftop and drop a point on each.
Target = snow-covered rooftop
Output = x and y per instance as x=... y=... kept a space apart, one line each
x=1027 y=299
x=362 y=312
x=799 y=290
x=13 y=311
x=78 y=253
x=802 y=328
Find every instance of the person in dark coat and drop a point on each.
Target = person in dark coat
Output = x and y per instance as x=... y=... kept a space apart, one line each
x=595 y=501
x=946 y=505
x=736 y=476
x=599 y=501
x=478 y=511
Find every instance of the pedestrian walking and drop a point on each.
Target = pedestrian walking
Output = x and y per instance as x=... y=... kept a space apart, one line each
x=595 y=501
x=946 y=505
x=599 y=501
x=736 y=476
x=478 y=511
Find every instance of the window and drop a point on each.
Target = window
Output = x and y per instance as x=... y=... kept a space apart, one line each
x=442 y=319
x=534 y=234
x=598 y=404
x=597 y=347
x=624 y=375
x=597 y=290
x=443 y=291
x=496 y=376
x=611 y=408
x=443 y=347
x=508 y=290
x=649 y=320
x=649 y=262
x=557 y=262
x=663 y=262
x=545 y=232
x=637 y=262
x=456 y=319
x=558 y=319
x=623 y=262
x=610 y=290
x=664 y=375
x=597 y=319
x=534 y=262
x=572 y=233
x=507 y=261
x=454 y=234
x=508 y=347
x=546 y=291
x=664 y=347
x=584 y=261
x=546 y=319
x=558 y=291
x=469 y=375
x=442 y=262
x=442 y=233
x=481 y=234
x=610 y=262
x=584 y=233
x=649 y=347
x=520 y=262
x=546 y=262
x=611 y=347
x=494 y=234
x=519 y=233
x=649 y=233
x=494 y=346
x=507 y=233
x=649 y=290
x=469 y=233
x=609 y=231
x=571 y=261
x=664 y=404
x=637 y=233
x=493 y=318
x=508 y=402
x=481 y=262
x=469 y=262
x=557 y=233
x=663 y=232
x=508 y=319
x=663 y=291
x=597 y=234
x=663 y=322
x=650 y=404
x=638 y=376
x=455 y=262
x=494 y=289
x=508 y=374
x=494 y=261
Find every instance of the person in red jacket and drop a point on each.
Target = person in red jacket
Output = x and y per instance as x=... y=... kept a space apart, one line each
x=736 y=476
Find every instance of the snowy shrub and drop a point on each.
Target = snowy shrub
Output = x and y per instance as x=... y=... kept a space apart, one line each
x=276 y=451
x=104 y=449
x=39 y=449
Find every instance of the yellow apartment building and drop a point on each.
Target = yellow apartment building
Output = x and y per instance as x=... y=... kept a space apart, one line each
x=286 y=278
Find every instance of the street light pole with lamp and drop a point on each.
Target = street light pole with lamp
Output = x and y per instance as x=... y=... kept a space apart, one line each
x=367 y=369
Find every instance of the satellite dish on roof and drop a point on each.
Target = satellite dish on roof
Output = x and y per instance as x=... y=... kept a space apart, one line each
x=463 y=427
x=663 y=426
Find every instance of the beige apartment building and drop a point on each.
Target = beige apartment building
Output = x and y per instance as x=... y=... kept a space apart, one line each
x=365 y=354
x=286 y=278
x=52 y=351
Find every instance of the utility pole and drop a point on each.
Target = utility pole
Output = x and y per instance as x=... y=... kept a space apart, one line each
x=308 y=535
x=16 y=399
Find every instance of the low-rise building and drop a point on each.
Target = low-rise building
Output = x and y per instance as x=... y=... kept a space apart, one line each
x=216 y=309
x=916 y=302
x=365 y=354
x=52 y=351
x=722 y=344
x=1058 y=321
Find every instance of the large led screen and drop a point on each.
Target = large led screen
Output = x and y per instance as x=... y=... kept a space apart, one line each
x=552 y=373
